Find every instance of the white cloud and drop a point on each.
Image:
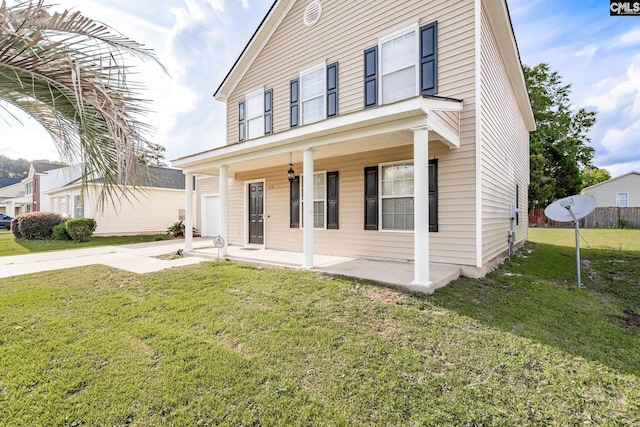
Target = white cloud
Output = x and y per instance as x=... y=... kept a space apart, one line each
x=588 y=51
x=630 y=38
x=245 y=4
x=618 y=94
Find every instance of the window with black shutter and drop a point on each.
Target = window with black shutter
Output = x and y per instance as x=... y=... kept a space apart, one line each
x=268 y=111
x=332 y=89
x=371 y=77
x=332 y=200
x=294 y=203
x=241 y=121
x=294 y=100
x=433 y=195
x=371 y=198
x=429 y=59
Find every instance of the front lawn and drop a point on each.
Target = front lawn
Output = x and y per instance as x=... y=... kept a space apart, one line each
x=230 y=344
x=9 y=245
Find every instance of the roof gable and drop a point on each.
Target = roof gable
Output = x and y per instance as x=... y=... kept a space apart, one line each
x=611 y=180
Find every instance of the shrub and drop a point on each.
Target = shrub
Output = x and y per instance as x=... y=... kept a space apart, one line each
x=622 y=223
x=177 y=229
x=60 y=232
x=81 y=229
x=35 y=225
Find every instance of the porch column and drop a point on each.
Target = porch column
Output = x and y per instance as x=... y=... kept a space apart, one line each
x=223 y=187
x=307 y=211
x=421 y=206
x=188 y=212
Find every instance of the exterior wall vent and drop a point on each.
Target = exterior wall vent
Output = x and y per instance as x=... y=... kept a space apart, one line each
x=312 y=13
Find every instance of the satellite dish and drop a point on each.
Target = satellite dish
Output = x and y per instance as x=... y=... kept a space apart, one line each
x=571 y=208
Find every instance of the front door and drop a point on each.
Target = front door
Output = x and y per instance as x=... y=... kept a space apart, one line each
x=256 y=213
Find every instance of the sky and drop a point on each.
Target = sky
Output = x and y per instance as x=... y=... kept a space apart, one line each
x=199 y=40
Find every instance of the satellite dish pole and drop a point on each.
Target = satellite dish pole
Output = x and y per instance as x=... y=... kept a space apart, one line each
x=572 y=208
x=575 y=221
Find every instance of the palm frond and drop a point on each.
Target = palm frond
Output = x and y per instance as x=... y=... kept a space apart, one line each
x=70 y=74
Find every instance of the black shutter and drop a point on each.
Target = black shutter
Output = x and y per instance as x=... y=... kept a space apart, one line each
x=332 y=89
x=241 y=126
x=429 y=59
x=433 y=195
x=517 y=204
x=294 y=101
x=371 y=198
x=371 y=77
x=268 y=111
x=332 y=200
x=294 y=203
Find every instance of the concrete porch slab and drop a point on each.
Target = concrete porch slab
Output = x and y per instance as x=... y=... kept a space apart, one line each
x=393 y=273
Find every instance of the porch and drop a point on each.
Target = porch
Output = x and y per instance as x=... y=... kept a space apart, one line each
x=394 y=273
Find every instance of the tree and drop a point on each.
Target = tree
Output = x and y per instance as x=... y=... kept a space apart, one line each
x=10 y=168
x=559 y=147
x=153 y=155
x=69 y=73
x=592 y=176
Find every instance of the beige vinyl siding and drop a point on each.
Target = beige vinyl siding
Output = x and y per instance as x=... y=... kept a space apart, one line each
x=505 y=148
x=294 y=47
x=205 y=186
x=605 y=193
x=148 y=211
x=454 y=243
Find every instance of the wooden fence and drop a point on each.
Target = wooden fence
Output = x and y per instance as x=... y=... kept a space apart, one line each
x=599 y=218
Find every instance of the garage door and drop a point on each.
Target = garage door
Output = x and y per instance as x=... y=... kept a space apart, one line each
x=210 y=216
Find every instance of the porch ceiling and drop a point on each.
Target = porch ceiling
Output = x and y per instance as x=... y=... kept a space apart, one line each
x=368 y=130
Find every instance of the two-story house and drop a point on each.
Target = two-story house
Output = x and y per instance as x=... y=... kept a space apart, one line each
x=389 y=130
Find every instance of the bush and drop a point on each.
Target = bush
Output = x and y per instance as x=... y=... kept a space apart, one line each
x=177 y=229
x=81 y=229
x=60 y=232
x=35 y=225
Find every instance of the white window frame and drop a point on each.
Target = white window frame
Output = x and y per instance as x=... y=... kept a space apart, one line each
x=323 y=200
x=413 y=28
x=28 y=188
x=382 y=197
x=626 y=199
x=256 y=93
x=78 y=198
x=323 y=95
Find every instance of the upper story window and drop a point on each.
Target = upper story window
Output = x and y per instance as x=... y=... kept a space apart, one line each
x=398 y=68
x=255 y=115
x=313 y=95
x=622 y=200
x=28 y=188
x=402 y=65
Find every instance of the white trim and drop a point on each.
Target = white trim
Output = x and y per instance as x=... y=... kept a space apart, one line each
x=408 y=113
x=478 y=138
x=260 y=94
x=619 y=193
x=398 y=30
x=246 y=212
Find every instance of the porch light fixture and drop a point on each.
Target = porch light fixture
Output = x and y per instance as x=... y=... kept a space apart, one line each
x=291 y=175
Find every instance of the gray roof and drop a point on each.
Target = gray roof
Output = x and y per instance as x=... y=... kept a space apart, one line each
x=5 y=182
x=152 y=176
x=41 y=167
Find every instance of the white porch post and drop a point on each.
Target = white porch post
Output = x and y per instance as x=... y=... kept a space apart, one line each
x=421 y=206
x=223 y=208
x=188 y=212
x=307 y=211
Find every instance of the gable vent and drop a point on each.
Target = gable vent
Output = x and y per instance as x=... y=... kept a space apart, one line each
x=312 y=13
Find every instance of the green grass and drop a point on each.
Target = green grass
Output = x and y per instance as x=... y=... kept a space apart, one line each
x=229 y=344
x=11 y=246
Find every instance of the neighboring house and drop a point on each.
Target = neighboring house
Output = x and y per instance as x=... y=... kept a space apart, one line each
x=150 y=208
x=622 y=191
x=10 y=188
x=42 y=178
x=404 y=127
